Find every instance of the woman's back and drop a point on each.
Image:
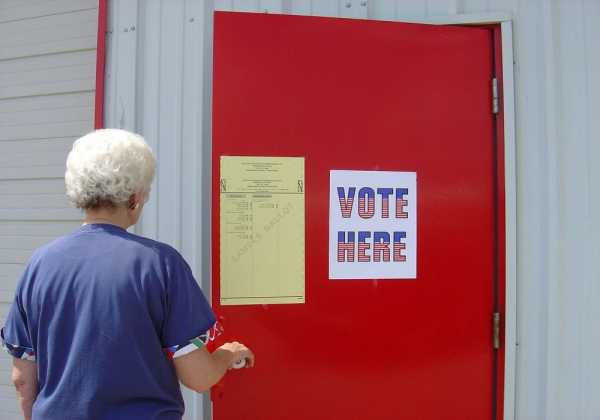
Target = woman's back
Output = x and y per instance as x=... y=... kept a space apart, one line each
x=102 y=304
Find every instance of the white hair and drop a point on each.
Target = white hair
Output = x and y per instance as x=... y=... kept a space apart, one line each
x=106 y=167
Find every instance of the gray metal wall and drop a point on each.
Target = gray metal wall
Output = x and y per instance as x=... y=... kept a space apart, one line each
x=159 y=75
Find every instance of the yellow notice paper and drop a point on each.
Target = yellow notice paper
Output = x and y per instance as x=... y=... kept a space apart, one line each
x=262 y=230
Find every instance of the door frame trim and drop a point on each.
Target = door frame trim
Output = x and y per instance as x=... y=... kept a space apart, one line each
x=510 y=191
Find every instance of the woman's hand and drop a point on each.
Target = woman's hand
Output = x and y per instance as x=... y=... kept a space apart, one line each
x=199 y=370
x=239 y=352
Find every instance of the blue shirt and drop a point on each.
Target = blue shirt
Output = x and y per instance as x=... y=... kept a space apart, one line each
x=100 y=310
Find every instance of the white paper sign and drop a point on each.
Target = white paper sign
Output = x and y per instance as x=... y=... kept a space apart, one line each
x=372 y=225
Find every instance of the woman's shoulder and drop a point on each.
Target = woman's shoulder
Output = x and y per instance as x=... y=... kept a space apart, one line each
x=163 y=254
x=160 y=249
x=48 y=248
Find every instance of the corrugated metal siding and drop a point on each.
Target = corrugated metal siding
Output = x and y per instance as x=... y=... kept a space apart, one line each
x=159 y=84
x=156 y=83
x=47 y=81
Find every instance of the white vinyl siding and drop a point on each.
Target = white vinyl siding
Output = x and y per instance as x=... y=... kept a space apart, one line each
x=47 y=82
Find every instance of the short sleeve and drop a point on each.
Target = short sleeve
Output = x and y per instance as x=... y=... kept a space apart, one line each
x=15 y=335
x=189 y=319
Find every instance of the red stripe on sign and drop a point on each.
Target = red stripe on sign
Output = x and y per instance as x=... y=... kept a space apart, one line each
x=346 y=206
x=385 y=208
x=362 y=248
x=400 y=213
x=345 y=250
x=379 y=249
x=366 y=210
x=398 y=247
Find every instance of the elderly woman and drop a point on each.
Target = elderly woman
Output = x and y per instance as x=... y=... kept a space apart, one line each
x=104 y=322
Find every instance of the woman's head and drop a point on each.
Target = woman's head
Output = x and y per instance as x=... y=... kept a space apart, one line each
x=108 y=168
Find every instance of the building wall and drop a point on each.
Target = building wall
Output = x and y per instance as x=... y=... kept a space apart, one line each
x=47 y=79
x=158 y=83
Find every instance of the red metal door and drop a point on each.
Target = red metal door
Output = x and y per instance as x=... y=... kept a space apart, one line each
x=367 y=95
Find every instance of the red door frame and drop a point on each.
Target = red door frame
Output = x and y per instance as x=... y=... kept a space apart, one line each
x=100 y=64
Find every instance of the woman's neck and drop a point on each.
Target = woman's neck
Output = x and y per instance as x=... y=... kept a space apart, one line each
x=115 y=216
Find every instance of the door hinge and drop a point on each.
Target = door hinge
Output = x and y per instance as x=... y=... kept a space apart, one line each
x=496 y=321
x=495 y=97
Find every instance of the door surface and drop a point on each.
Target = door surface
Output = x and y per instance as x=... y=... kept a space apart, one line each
x=376 y=96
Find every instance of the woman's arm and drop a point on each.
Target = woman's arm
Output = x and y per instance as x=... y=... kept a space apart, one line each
x=200 y=370
x=24 y=377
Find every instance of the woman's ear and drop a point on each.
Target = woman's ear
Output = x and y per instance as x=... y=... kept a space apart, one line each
x=133 y=203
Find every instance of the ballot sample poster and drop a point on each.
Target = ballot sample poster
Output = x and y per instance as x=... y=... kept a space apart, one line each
x=372 y=225
x=262 y=230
